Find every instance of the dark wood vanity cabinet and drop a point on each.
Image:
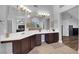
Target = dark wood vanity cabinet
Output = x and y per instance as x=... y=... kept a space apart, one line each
x=24 y=45
x=51 y=37
x=16 y=47
x=56 y=37
x=32 y=42
x=38 y=40
x=21 y=46
x=28 y=44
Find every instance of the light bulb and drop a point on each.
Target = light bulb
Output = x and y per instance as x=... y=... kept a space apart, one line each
x=28 y=10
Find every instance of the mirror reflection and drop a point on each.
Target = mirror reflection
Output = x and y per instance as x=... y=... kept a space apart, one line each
x=20 y=18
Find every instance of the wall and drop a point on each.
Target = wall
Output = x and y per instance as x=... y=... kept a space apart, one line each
x=66 y=24
x=68 y=20
x=57 y=21
x=3 y=13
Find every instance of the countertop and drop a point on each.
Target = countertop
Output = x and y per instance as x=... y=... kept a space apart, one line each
x=21 y=35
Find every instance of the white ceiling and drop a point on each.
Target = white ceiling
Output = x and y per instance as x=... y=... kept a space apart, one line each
x=36 y=8
x=74 y=12
x=49 y=9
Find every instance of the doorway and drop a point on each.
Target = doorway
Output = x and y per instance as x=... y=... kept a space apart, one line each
x=70 y=28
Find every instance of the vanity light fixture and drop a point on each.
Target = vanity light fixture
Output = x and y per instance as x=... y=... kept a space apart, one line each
x=23 y=8
x=44 y=14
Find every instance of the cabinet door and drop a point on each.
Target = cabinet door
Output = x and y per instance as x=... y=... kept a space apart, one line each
x=16 y=47
x=51 y=37
x=32 y=42
x=38 y=40
x=56 y=37
x=25 y=45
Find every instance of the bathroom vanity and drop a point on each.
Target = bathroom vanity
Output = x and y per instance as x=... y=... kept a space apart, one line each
x=22 y=43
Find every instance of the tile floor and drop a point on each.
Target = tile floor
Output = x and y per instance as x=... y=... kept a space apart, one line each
x=54 y=48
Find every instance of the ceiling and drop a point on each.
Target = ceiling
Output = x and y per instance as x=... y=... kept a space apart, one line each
x=49 y=8
x=38 y=8
x=72 y=12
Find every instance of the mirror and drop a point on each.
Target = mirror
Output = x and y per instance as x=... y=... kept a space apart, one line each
x=37 y=23
x=14 y=20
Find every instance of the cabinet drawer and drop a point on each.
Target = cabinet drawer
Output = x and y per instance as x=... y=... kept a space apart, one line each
x=25 y=43
x=16 y=47
x=56 y=37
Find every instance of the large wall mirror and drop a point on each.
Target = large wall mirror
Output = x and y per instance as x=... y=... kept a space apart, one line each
x=13 y=20
x=38 y=23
